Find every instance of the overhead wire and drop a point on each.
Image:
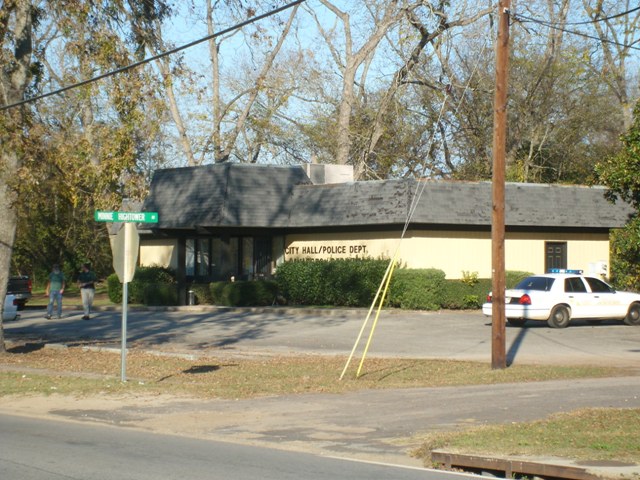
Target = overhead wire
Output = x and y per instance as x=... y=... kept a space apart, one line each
x=555 y=26
x=603 y=19
x=153 y=58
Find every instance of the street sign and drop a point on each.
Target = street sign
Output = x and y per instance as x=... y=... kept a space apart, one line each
x=124 y=248
x=135 y=217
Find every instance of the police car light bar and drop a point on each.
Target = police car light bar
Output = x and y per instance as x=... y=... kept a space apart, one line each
x=564 y=270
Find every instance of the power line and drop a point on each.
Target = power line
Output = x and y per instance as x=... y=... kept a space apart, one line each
x=604 y=19
x=155 y=57
x=554 y=26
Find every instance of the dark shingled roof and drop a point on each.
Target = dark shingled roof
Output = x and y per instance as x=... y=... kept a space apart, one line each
x=223 y=195
x=243 y=195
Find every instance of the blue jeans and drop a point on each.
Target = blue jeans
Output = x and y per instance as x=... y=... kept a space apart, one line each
x=55 y=296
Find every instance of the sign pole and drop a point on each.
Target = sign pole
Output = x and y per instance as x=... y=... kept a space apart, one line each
x=123 y=348
x=125 y=302
x=125 y=245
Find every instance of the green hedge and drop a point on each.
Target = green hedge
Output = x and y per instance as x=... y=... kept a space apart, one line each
x=150 y=286
x=464 y=295
x=355 y=282
x=202 y=292
x=244 y=294
x=340 y=283
x=336 y=283
x=417 y=289
x=471 y=292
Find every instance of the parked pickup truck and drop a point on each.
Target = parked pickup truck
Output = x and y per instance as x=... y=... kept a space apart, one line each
x=20 y=288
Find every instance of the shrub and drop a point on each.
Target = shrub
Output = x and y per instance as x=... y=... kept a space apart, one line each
x=459 y=295
x=417 y=289
x=160 y=294
x=338 y=282
x=469 y=278
x=114 y=288
x=202 y=292
x=145 y=278
x=465 y=294
x=216 y=289
x=244 y=294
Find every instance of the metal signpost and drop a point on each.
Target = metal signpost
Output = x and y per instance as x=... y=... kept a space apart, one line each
x=125 y=256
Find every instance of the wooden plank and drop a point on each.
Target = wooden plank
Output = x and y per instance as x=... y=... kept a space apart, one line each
x=510 y=467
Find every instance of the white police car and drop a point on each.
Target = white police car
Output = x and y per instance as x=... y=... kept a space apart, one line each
x=563 y=295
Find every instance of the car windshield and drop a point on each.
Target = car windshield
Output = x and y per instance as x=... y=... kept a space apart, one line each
x=535 y=283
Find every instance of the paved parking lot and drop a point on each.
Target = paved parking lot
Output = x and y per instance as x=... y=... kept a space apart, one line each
x=447 y=334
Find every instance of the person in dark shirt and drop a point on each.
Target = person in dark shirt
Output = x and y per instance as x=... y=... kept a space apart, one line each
x=87 y=284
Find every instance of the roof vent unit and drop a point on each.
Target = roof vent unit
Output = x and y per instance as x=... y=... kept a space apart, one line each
x=321 y=174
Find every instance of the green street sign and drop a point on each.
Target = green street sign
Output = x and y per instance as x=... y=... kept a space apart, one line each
x=135 y=217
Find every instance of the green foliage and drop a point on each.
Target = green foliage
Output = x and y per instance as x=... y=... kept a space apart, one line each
x=150 y=286
x=244 y=294
x=465 y=295
x=202 y=293
x=620 y=172
x=513 y=277
x=459 y=295
x=415 y=289
x=340 y=282
x=160 y=294
x=216 y=290
x=469 y=278
x=355 y=282
x=114 y=288
x=625 y=256
x=70 y=168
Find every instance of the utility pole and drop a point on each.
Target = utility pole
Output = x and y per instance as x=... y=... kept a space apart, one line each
x=498 y=349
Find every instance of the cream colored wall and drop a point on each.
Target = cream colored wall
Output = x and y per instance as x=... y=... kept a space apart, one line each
x=163 y=253
x=452 y=252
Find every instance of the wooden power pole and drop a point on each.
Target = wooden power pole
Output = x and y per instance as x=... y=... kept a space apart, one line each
x=498 y=348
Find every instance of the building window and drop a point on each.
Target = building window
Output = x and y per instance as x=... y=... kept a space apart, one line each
x=220 y=258
x=230 y=261
x=247 y=258
x=556 y=255
x=262 y=255
x=190 y=257
x=203 y=256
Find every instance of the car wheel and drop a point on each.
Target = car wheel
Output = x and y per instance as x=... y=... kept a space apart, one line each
x=633 y=315
x=560 y=317
x=516 y=322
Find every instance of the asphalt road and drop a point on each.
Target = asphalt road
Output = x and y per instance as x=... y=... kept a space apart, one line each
x=370 y=425
x=445 y=335
x=47 y=450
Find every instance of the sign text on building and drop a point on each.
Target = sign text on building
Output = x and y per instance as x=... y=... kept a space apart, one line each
x=327 y=250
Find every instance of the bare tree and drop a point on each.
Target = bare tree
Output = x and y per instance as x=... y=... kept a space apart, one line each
x=617 y=25
x=404 y=75
x=386 y=15
x=216 y=138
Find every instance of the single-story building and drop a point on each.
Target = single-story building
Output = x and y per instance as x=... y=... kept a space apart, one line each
x=242 y=220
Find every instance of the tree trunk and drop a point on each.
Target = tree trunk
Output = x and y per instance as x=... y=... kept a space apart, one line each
x=14 y=79
x=351 y=63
